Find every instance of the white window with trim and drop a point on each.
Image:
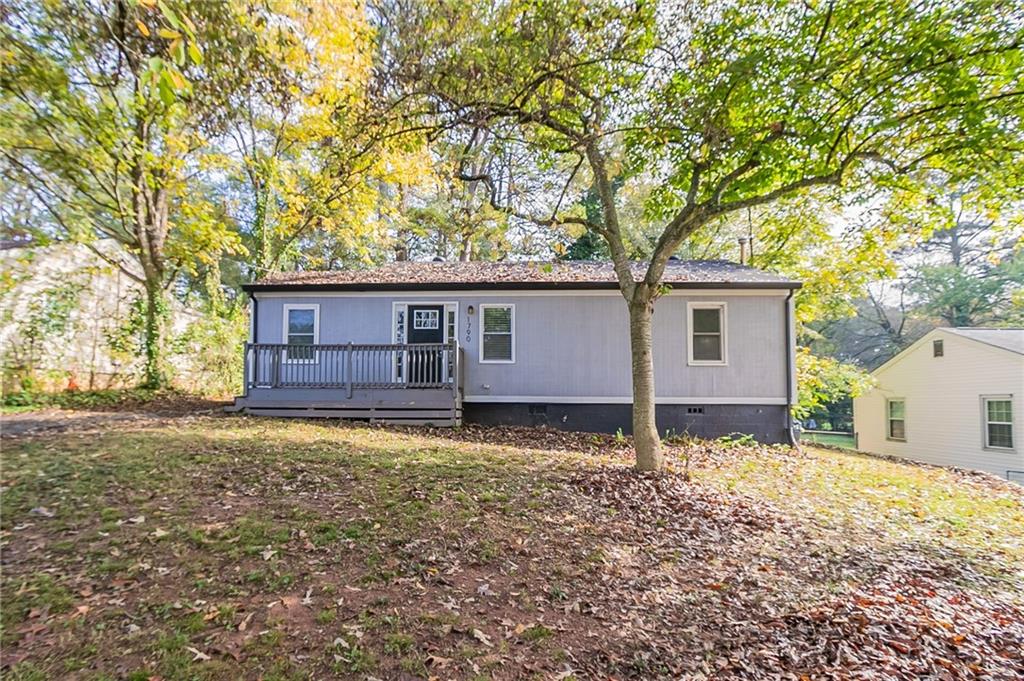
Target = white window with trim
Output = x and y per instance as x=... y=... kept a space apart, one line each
x=896 y=419
x=497 y=334
x=301 y=327
x=997 y=413
x=706 y=339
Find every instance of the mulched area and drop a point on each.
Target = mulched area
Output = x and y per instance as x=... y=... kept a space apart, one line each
x=170 y=546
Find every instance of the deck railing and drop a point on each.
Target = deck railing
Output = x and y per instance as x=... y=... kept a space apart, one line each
x=352 y=366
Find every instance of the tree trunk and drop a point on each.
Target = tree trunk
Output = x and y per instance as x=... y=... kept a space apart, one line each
x=154 y=375
x=264 y=254
x=645 y=428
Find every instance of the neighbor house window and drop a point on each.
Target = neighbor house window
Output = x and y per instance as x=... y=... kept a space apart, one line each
x=707 y=333
x=497 y=337
x=937 y=348
x=896 y=419
x=998 y=413
x=301 y=327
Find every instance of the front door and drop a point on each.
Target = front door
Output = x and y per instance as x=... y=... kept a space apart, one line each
x=426 y=325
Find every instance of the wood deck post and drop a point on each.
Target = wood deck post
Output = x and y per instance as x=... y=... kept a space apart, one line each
x=348 y=369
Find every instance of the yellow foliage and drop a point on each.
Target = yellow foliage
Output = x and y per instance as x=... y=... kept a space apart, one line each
x=315 y=176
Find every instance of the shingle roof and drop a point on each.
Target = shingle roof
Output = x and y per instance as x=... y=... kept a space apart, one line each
x=521 y=275
x=1007 y=339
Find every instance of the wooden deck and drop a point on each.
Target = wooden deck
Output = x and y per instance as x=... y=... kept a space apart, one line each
x=393 y=383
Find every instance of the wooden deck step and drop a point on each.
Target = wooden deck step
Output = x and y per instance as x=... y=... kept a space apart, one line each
x=449 y=416
x=410 y=420
x=440 y=407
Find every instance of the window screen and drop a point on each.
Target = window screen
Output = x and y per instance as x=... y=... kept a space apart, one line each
x=999 y=423
x=706 y=334
x=301 y=331
x=897 y=426
x=497 y=333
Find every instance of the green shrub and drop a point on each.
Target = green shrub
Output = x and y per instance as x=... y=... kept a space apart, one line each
x=82 y=399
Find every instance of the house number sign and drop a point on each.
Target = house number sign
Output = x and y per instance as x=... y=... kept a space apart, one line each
x=469 y=321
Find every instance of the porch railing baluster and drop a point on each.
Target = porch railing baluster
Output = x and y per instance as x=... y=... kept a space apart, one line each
x=351 y=366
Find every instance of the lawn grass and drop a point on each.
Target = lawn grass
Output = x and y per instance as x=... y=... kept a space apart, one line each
x=844 y=440
x=237 y=547
x=902 y=501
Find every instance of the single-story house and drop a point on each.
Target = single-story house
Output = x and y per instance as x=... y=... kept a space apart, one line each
x=953 y=398
x=522 y=343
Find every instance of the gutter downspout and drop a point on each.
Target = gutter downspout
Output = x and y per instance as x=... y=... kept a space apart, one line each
x=793 y=439
x=256 y=315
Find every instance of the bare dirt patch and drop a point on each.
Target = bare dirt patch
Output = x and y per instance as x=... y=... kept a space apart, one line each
x=123 y=411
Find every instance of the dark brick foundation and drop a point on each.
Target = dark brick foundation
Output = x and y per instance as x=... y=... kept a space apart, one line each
x=767 y=423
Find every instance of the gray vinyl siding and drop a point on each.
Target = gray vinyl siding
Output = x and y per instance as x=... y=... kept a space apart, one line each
x=574 y=346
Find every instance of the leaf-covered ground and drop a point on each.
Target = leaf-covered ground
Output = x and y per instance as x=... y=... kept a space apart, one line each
x=183 y=547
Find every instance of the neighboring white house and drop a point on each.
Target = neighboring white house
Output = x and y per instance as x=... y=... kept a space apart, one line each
x=79 y=298
x=953 y=398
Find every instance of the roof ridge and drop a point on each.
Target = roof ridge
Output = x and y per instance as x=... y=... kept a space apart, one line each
x=526 y=273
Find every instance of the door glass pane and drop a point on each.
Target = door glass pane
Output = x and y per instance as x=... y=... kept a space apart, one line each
x=301 y=321
x=707 y=320
x=497 y=319
x=707 y=348
x=1000 y=435
x=498 y=346
x=425 y=319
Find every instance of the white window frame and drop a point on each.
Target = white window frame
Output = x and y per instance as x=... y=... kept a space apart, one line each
x=985 y=399
x=888 y=419
x=288 y=307
x=432 y=315
x=723 y=332
x=512 y=326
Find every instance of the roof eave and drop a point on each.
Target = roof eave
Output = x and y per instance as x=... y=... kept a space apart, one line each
x=507 y=286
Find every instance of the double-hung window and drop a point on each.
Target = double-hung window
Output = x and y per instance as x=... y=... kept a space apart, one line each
x=498 y=334
x=896 y=420
x=998 y=417
x=706 y=339
x=301 y=327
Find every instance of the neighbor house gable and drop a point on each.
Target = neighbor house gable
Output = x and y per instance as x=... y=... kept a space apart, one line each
x=941 y=334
